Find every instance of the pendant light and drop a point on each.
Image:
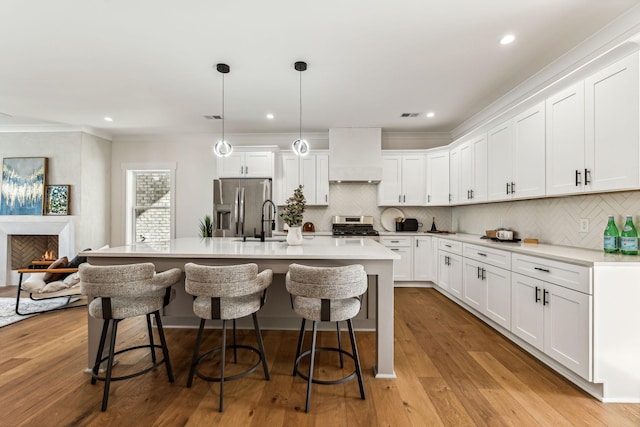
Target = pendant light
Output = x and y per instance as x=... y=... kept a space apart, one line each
x=222 y=147
x=300 y=146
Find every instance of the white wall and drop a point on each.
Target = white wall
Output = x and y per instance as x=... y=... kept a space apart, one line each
x=76 y=159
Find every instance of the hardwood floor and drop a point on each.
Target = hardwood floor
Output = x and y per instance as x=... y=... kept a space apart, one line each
x=452 y=370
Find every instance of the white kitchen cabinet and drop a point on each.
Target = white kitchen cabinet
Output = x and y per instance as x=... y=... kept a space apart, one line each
x=311 y=171
x=565 y=140
x=438 y=178
x=403 y=180
x=473 y=170
x=487 y=288
x=249 y=164
x=401 y=245
x=612 y=120
x=455 y=185
x=555 y=320
x=423 y=259
x=516 y=159
x=592 y=132
x=450 y=267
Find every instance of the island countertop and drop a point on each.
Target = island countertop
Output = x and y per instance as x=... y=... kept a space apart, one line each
x=316 y=247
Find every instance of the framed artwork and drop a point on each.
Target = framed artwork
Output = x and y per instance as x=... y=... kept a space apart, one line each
x=56 y=200
x=23 y=181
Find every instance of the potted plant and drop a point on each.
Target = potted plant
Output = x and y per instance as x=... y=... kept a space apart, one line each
x=292 y=216
x=206 y=227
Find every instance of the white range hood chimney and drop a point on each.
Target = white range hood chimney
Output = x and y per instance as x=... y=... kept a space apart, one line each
x=355 y=154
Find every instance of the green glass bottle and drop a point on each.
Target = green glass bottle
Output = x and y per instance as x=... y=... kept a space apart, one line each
x=629 y=238
x=611 y=237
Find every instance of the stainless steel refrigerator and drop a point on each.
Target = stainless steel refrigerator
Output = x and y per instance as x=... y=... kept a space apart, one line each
x=237 y=207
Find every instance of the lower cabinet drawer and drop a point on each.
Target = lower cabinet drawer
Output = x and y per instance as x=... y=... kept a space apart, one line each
x=572 y=276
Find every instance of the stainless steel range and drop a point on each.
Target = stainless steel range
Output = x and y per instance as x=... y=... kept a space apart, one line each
x=354 y=226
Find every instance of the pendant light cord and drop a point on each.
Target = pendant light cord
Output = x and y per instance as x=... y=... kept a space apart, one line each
x=223 y=107
x=300 y=72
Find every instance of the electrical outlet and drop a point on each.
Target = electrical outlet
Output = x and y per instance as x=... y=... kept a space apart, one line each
x=584 y=225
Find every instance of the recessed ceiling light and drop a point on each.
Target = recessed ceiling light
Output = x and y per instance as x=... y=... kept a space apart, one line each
x=507 y=39
x=431 y=114
x=270 y=116
x=108 y=119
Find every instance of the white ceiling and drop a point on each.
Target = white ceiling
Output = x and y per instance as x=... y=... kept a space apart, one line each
x=150 y=64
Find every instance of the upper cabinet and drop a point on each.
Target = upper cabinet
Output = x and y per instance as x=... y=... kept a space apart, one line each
x=516 y=159
x=438 y=178
x=403 y=179
x=592 y=132
x=468 y=171
x=311 y=171
x=246 y=164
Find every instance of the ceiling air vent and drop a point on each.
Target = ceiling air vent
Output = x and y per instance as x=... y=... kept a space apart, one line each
x=410 y=115
x=213 y=117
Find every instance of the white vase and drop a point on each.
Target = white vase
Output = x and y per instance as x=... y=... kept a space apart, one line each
x=294 y=236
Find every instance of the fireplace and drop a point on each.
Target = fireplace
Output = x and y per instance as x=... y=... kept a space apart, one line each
x=44 y=232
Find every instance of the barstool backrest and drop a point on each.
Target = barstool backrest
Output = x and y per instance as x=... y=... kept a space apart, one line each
x=130 y=280
x=327 y=282
x=225 y=281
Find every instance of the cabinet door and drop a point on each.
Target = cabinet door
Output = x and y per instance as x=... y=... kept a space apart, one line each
x=423 y=258
x=413 y=180
x=444 y=270
x=567 y=332
x=290 y=176
x=322 y=179
x=258 y=164
x=480 y=169
x=473 y=288
x=402 y=268
x=612 y=120
x=457 y=189
x=438 y=178
x=527 y=315
x=528 y=153
x=565 y=140
x=389 y=188
x=455 y=284
x=231 y=166
x=497 y=284
x=500 y=162
x=308 y=178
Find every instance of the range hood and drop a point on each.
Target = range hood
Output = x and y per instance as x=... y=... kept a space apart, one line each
x=355 y=154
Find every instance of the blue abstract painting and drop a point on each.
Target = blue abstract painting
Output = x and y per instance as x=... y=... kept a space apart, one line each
x=23 y=180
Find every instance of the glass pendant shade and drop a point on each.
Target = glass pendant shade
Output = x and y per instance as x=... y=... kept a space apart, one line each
x=300 y=147
x=222 y=149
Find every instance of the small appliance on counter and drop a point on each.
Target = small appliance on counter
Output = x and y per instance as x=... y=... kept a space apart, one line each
x=407 y=224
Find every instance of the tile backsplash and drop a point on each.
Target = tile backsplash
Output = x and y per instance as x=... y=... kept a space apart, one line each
x=552 y=220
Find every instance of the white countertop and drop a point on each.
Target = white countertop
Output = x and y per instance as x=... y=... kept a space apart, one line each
x=588 y=257
x=313 y=247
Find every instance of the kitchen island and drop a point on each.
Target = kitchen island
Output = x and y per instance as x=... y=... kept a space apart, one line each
x=274 y=254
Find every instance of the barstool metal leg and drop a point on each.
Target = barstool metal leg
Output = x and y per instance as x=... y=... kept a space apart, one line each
x=339 y=344
x=356 y=358
x=151 y=343
x=107 y=381
x=222 y=353
x=261 y=347
x=165 y=348
x=299 y=347
x=103 y=339
x=196 y=351
x=313 y=355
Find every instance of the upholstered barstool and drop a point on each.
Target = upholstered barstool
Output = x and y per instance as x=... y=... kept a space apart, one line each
x=324 y=294
x=227 y=293
x=121 y=292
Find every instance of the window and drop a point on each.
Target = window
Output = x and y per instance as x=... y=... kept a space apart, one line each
x=149 y=207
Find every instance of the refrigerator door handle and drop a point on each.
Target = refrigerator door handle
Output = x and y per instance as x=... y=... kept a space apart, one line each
x=242 y=210
x=236 y=210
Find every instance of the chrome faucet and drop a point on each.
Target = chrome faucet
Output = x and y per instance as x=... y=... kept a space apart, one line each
x=262 y=221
